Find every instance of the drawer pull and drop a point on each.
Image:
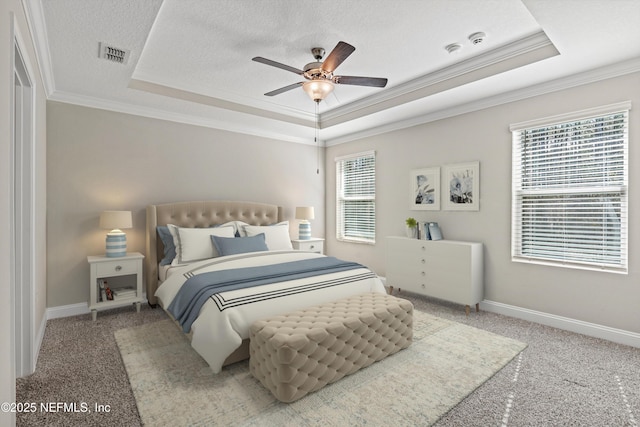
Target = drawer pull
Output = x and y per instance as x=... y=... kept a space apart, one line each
x=423 y=261
x=423 y=248
x=312 y=247
x=118 y=267
x=424 y=274
x=423 y=286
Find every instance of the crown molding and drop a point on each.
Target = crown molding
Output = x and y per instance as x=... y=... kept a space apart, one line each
x=527 y=50
x=288 y=115
x=592 y=76
x=156 y=113
x=37 y=27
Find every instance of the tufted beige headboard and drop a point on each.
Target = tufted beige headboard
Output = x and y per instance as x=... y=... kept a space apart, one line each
x=197 y=215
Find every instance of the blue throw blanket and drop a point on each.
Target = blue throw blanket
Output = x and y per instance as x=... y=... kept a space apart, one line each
x=195 y=291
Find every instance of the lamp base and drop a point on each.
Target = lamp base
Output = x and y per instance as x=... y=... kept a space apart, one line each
x=116 y=244
x=304 y=230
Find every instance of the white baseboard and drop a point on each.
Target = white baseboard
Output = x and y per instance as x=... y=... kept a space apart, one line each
x=75 y=309
x=38 y=342
x=591 y=329
x=67 y=310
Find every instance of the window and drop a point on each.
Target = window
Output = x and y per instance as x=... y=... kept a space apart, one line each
x=356 y=198
x=570 y=190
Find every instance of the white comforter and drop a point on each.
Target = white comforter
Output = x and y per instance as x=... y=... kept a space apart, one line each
x=219 y=332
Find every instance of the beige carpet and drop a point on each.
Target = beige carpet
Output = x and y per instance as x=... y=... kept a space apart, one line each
x=173 y=385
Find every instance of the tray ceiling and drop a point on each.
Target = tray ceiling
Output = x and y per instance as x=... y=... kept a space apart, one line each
x=190 y=60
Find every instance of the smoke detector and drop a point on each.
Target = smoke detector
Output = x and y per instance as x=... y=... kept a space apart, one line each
x=477 y=38
x=113 y=54
x=453 y=47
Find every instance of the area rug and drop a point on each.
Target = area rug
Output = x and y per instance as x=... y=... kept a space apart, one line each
x=447 y=361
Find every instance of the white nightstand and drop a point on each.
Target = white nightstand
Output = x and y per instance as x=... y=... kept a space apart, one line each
x=122 y=275
x=314 y=244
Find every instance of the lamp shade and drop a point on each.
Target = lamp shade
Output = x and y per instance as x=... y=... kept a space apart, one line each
x=304 y=212
x=318 y=89
x=115 y=220
x=116 y=242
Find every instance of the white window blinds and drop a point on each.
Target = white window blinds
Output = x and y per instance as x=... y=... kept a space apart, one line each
x=356 y=198
x=570 y=192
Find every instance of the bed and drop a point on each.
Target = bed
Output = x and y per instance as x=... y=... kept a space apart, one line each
x=251 y=247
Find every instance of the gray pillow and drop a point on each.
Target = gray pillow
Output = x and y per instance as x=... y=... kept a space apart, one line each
x=239 y=245
x=167 y=241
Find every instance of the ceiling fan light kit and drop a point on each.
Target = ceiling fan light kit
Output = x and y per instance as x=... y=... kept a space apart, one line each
x=318 y=89
x=319 y=76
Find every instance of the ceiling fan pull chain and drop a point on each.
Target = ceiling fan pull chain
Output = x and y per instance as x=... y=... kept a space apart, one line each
x=317 y=137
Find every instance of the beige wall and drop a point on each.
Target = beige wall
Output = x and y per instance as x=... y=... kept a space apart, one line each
x=100 y=160
x=601 y=298
x=103 y=160
x=12 y=17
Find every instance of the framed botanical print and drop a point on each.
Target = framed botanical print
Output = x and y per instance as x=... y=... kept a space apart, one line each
x=461 y=187
x=425 y=189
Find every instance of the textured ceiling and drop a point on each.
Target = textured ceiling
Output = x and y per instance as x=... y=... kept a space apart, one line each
x=190 y=60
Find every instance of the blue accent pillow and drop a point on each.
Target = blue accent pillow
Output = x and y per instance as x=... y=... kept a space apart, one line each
x=239 y=245
x=167 y=241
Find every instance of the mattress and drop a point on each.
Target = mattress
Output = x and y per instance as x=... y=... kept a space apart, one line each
x=224 y=320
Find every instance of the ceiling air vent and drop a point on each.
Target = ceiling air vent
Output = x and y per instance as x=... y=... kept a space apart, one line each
x=114 y=54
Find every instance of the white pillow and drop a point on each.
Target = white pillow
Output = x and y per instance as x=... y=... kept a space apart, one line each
x=276 y=236
x=237 y=226
x=240 y=227
x=193 y=244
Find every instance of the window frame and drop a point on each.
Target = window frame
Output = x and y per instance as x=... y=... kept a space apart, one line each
x=366 y=235
x=586 y=190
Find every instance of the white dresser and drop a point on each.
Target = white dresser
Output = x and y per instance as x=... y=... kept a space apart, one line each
x=444 y=269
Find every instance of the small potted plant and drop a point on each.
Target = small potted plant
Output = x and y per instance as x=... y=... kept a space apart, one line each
x=412 y=229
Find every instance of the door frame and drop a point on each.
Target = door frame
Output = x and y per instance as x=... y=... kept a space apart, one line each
x=21 y=209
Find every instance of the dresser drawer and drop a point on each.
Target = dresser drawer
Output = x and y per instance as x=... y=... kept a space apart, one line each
x=117 y=268
x=311 y=245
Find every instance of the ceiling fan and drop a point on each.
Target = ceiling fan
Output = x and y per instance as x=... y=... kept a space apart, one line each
x=319 y=75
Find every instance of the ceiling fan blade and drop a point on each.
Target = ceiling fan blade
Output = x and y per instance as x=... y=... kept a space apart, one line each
x=277 y=65
x=360 y=81
x=337 y=56
x=283 y=89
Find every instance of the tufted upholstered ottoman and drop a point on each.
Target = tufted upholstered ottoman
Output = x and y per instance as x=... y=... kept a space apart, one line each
x=300 y=352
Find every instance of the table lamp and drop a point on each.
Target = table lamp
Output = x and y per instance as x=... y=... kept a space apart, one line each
x=304 y=213
x=116 y=239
